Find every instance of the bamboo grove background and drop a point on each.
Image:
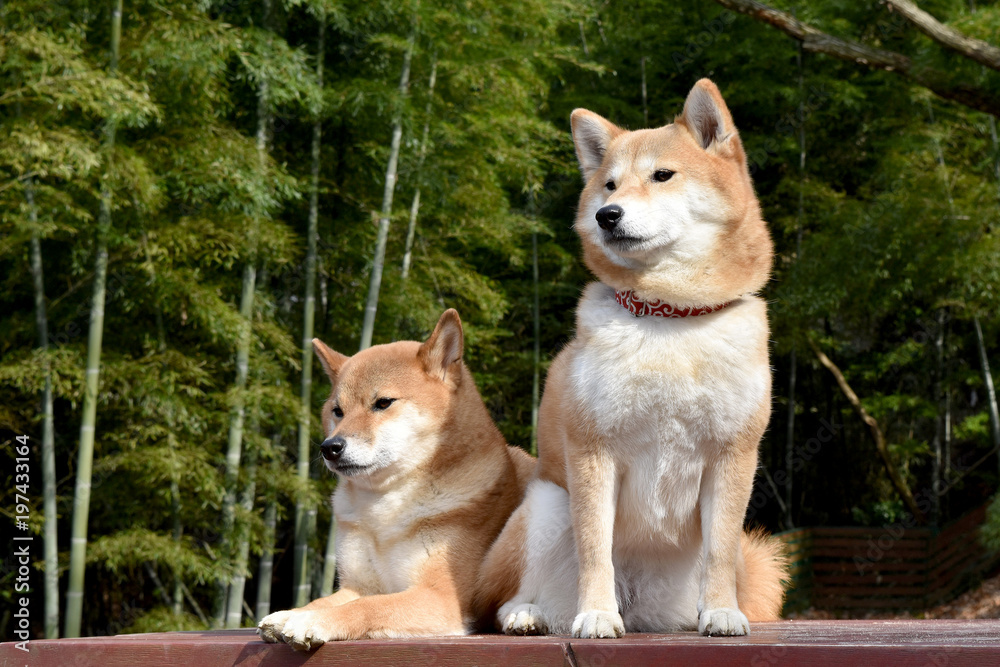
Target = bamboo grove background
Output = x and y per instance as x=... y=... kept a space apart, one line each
x=190 y=191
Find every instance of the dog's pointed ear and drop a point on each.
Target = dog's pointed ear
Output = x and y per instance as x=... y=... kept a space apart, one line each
x=591 y=135
x=331 y=361
x=441 y=355
x=707 y=117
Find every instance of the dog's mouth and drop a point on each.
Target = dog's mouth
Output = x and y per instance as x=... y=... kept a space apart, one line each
x=623 y=242
x=351 y=469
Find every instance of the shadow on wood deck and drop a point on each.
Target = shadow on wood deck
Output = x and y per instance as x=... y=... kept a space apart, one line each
x=945 y=643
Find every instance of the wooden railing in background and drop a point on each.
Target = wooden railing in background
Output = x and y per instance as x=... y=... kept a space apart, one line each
x=893 y=567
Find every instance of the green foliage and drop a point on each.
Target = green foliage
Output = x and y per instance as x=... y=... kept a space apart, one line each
x=896 y=247
x=881 y=513
x=163 y=619
x=126 y=551
x=990 y=531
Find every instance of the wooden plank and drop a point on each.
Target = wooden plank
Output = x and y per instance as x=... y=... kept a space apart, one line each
x=244 y=648
x=832 y=643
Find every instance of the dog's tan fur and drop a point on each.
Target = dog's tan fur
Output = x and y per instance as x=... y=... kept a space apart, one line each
x=652 y=425
x=414 y=523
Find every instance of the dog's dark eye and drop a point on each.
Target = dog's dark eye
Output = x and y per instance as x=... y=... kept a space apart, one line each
x=337 y=412
x=610 y=185
x=662 y=175
x=383 y=403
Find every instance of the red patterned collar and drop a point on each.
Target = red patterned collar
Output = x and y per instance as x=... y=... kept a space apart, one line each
x=630 y=302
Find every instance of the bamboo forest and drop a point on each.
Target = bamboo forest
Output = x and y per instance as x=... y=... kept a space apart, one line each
x=193 y=190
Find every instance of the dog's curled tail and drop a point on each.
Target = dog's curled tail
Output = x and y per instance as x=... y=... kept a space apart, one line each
x=760 y=583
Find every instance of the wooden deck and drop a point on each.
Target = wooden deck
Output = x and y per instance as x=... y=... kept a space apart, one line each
x=836 y=643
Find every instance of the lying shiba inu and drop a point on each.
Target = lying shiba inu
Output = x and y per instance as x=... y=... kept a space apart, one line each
x=426 y=483
x=652 y=415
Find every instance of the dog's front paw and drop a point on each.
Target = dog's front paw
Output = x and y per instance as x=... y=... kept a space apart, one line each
x=306 y=630
x=598 y=624
x=271 y=625
x=723 y=622
x=523 y=619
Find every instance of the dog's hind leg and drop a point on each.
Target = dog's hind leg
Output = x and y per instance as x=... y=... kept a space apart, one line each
x=545 y=601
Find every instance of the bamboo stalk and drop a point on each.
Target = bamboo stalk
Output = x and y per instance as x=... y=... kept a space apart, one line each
x=177 y=526
x=645 y=107
x=537 y=354
x=939 y=425
x=790 y=441
x=234 y=601
x=984 y=360
x=375 y=282
x=237 y=414
x=177 y=532
x=265 y=569
x=95 y=334
x=788 y=504
x=415 y=205
x=300 y=574
x=315 y=571
x=236 y=420
x=939 y=421
x=330 y=561
x=991 y=394
x=48 y=429
x=996 y=151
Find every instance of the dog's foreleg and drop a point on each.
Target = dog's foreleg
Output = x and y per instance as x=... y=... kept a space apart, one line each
x=593 y=490
x=421 y=611
x=271 y=626
x=725 y=492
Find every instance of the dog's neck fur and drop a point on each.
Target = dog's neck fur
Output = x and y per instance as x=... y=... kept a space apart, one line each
x=747 y=253
x=471 y=432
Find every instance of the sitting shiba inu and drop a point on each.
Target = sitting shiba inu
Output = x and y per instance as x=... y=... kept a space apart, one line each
x=426 y=483
x=652 y=415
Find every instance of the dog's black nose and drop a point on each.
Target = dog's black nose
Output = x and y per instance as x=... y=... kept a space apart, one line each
x=332 y=448
x=608 y=216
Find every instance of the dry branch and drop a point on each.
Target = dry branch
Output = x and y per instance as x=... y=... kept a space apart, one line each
x=817 y=41
x=970 y=47
x=897 y=480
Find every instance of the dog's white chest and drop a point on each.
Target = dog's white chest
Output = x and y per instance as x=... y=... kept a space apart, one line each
x=665 y=394
x=380 y=552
